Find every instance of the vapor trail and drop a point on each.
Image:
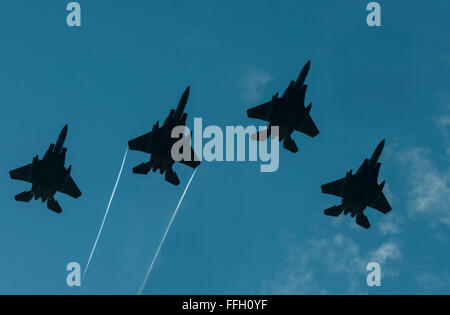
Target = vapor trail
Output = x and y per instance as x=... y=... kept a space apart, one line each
x=106 y=213
x=165 y=233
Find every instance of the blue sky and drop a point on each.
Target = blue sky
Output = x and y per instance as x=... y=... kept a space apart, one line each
x=238 y=230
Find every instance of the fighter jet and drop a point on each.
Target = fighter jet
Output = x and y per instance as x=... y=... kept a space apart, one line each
x=48 y=176
x=288 y=112
x=158 y=143
x=360 y=190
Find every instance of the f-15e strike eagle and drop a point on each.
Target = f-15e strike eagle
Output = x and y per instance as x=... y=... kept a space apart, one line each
x=159 y=142
x=288 y=112
x=48 y=176
x=359 y=191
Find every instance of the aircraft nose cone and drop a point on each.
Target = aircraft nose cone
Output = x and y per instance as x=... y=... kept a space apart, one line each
x=184 y=98
x=307 y=66
x=305 y=70
x=379 y=149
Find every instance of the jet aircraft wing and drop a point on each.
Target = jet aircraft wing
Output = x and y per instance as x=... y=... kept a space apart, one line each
x=381 y=204
x=142 y=143
x=70 y=188
x=22 y=173
x=333 y=188
x=193 y=160
x=308 y=127
x=258 y=112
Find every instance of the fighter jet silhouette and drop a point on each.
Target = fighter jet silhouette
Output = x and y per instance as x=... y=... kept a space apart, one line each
x=360 y=190
x=159 y=142
x=288 y=112
x=48 y=176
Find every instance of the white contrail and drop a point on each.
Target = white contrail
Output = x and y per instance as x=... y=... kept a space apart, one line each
x=165 y=234
x=106 y=213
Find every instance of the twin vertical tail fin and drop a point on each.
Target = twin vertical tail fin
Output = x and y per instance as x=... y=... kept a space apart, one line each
x=361 y=219
x=52 y=204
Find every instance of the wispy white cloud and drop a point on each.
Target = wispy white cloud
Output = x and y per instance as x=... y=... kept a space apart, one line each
x=444 y=124
x=429 y=186
x=312 y=265
x=386 y=251
x=391 y=223
x=427 y=179
x=389 y=194
x=431 y=282
x=389 y=226
x=253 y=81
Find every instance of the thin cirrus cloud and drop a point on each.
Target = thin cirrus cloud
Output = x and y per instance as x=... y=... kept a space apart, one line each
x=429 y=186
x=386 y=251
x=428 y=180
x=444 y=124
x=432 y=282
x=390 y=225
x=252 y=82
x=310 y=266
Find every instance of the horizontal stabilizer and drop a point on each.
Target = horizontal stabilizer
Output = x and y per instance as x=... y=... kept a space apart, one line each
x=172 y=177
x=290 y=145
x=363 y=221
x=334 y=211
x=24 y=197
x=54 y=206
x=142 y=169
